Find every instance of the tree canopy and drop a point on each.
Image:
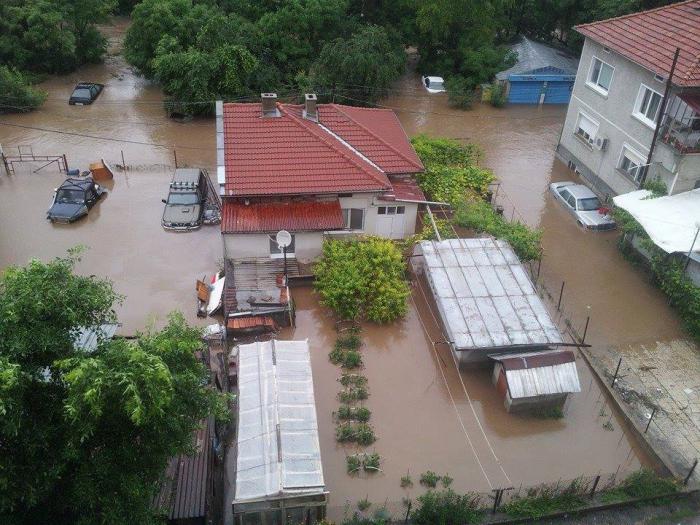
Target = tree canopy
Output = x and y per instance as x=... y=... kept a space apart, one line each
x=85 y=436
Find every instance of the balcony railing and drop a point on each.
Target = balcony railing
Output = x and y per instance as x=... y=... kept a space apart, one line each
x=681 y=138
x=681 y=125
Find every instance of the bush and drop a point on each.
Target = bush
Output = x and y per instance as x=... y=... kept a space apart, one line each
x=460 y=92
x=353 y=394
x=451 y=184
x=361 y=414
x=429 y=479
x=348 y=379
x=542 y=501
x=348 y=342
x=643 y=483
x=445 y=152
x=371 y=462
x=363 y=277
x=346 y=358
x=498 y=95
x=447 y=508
x=360 y=433
x=16 y=95
x=478 y=215
x=353 y=464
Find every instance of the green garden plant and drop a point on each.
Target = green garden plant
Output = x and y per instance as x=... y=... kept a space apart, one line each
x=406 y=481
x=447 y=508
x=351 y=341
x=350 y=379
x=429 y=479
x=371 y=462
x=540 y=501
x=498 y=94
x=364 y=435
x=461 y=92
x=353 y=394
x=364 y=504
x=353 y=464
x=350 y=413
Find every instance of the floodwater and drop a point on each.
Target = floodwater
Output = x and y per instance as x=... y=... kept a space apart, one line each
x=426 y=418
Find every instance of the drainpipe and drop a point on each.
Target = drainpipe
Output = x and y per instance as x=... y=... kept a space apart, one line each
x=660 y=117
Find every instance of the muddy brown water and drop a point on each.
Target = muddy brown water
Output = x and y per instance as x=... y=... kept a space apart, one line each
x=418 y=426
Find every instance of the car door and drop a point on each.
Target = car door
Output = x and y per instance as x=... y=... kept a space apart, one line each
x=568 y=199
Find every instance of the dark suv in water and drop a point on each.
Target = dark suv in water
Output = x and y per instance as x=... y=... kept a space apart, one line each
x=73 y=199
x=85 y=93
x=184 y=206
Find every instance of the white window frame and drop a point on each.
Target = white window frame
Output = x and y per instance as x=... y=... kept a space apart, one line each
x=637 y=113
x=392 y=210
x=634 y=156
x=594 y=85
x=280 y=254
x=348 y=218
x=591 y=138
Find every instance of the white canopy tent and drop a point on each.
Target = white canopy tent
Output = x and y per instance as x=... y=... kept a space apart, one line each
x=671 y=222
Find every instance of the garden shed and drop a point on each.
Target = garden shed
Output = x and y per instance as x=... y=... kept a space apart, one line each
x=542 y=74
x=279 y=475
x=486 y=301
x=535 y=381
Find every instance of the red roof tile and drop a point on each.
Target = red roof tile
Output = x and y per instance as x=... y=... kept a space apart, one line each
x=290 y=155
x=274 y=216
x=650 y=39
x=404 y=189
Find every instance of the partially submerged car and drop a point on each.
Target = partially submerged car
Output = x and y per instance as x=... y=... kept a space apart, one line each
x=584 y=205
x=184 y=206
x=434 y=84
x=85 y=93
x=73 y=199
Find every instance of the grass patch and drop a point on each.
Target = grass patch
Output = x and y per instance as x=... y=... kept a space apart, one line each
x=348 y=359
x=350 y=413
x=360 y=433
x=542 y=501
x=353 y=464
x=349 y=341
x=447 y=508
x=644 y=483
x=429 y=479
x=371 y=462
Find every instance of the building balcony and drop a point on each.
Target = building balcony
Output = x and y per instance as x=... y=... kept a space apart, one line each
x=680 y=128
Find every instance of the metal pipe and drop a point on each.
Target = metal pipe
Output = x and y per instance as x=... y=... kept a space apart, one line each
x=690 y=252
x=660 y=116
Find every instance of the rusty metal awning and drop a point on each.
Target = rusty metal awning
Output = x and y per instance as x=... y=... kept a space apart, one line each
x=295 y=216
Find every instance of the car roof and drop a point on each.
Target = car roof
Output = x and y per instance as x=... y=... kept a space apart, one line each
x=187 y=175
x=76 y=184
x=579 y=191
x=435 y=79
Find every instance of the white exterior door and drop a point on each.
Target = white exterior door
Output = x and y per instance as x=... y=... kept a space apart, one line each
x=390 y=221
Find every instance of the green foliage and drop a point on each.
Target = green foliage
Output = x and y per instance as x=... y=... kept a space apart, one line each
x=541 y=501
x=16 y=94
x=363 y=65
x=429 y=479
x=348 y=379
x=353 y=394
x=644 y=483
x=353 y=464
x=447 y=508
x=498 y=95
x=548 y=413
x=84 y=437
x=364 y=504
x=364 y=435
x=350 y=413
x=446 y=481
x=362 y=277
x=683 y=294
x=461 y=92
x=371 y=462
x=438 y=151
x=478 y=215
x=627 y=223
x=350 y=341
x=406 y=481
x=451 y=184
x=657 y=187
x=360 y=433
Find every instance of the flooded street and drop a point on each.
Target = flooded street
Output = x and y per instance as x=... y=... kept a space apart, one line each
x=426 y=415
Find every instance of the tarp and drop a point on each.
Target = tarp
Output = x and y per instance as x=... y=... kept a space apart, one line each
x=671 y=222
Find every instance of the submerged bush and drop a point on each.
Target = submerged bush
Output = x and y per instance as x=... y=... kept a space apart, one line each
x=498 y=95
x=446 y=507
x=451 y=184
x=16 y=94
x=545 y=500
x=363 y=277
x=445 y=152
x=460 y=92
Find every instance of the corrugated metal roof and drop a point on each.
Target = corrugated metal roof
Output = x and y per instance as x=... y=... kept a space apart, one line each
x=650 y=38
x=270 y=217
x=404 y=188
x=537 y=56
x=87 y=339
x=278 y=448
x=484 y=295
x=540 y=373
x=253 y=321
x=188 y=479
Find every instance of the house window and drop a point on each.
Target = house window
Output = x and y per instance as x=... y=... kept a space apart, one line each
x=354 y=218
x=631 y=163
x=276 y=252
x=586 y=128
x=647 y=107
x=601 y=75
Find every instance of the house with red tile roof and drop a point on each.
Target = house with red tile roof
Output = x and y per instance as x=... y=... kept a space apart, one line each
x=315 y=170
x=633 y=117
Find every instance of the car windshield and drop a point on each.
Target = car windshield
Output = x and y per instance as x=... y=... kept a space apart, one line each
x=70 y=197
x=81 y=93
x=589 y=204
x=183 y=198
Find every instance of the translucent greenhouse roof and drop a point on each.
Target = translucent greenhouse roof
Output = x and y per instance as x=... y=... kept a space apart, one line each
x=278 y=448
x=484 y=295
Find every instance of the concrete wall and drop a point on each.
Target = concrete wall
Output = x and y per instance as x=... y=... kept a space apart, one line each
x=370 y=203
x=614 y=114
x=307 y=245
x=679 y=172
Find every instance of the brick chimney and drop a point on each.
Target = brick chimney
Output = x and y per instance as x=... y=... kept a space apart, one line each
x=269 y=105
x=310 y=108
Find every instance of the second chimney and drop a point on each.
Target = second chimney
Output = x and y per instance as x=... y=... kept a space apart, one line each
x=310 y=108
x=269 y=105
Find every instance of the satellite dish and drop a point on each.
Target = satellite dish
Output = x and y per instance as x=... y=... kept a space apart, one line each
x=283 y=238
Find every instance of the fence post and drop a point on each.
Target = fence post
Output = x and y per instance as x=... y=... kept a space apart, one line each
x=123 y=162
x=690 y=473
x=595 y=485
x=496 y=500
x=408 y=510
x=175 y=154
x=619 y=362
x=561 y=293
x=65 y=163
x=585 y=330
x=653 y=411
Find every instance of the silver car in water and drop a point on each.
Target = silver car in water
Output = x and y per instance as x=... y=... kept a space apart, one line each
x=584 y=205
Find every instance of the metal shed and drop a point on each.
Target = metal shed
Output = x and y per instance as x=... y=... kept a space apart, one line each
x=485 y=298
x=535 y=380
x=542 y=74
x=279 y=475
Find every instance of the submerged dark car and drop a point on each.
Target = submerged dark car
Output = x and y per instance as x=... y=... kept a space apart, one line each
x=184 y=206
x=85 y=93
x=73 y=199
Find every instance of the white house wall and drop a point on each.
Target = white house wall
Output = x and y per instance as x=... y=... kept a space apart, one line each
x=242 y=245
x=370 y=203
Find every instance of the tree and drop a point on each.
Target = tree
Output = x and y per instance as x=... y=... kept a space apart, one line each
x=84 y=437
x=16 y=95
x=365 y=65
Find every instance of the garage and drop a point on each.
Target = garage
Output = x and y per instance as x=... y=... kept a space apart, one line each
x=542 y=74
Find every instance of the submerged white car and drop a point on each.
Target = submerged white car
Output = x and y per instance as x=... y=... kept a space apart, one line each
x=584 y=205
x=434 y=84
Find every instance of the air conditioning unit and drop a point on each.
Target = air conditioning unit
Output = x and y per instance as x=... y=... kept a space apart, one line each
x=600 y=143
